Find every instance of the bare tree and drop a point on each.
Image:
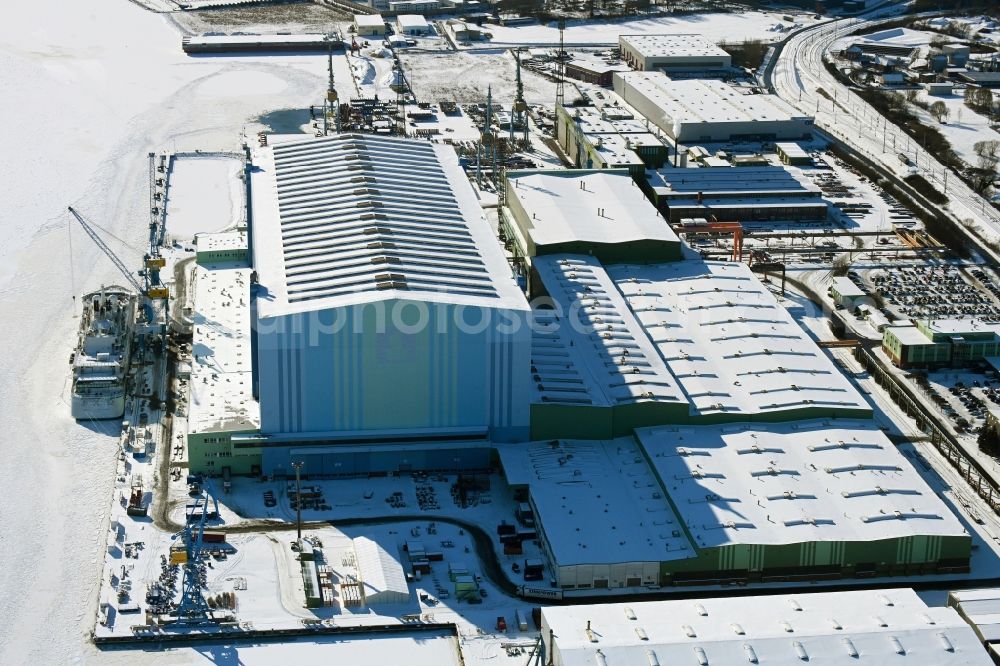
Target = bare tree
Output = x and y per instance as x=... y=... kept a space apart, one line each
x=987 y=148
x=940 y=111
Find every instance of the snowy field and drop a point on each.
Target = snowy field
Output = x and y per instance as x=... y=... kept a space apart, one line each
x=205 y=194
x=963 y=128
x=733 y=27
x=131 y=91
x=464 y=76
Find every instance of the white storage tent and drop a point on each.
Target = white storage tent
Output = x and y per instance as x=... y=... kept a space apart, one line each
x=381 y=574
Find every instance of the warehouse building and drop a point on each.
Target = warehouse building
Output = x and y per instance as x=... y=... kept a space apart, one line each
x=377 y=289
x=847 y=294
x=221 y=400
x=684 y=342
x=603 y=520
x=793 y=154
x=609 y=138
x=833 y=628
x=930 y=343
x=594 y=69
x=798 y=501
x=380 y=307
x=700 y=110
x=412 y=25
x=229 y=247
x=597 y=212
x=673 y=53
x=739 y=503
x=369 y=25
x=748 y=194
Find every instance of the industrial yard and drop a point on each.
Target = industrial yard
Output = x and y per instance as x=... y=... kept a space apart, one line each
x=462 y=337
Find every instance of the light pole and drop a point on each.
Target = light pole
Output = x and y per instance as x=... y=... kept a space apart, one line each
x=298 y=497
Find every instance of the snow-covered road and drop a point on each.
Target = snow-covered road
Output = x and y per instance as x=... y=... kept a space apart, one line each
x=89 y=89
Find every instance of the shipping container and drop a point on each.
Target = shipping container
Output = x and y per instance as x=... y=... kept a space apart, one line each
x=522 y=621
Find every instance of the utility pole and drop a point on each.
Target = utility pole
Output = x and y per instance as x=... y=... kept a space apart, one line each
x=298 y=498
x=561 y=67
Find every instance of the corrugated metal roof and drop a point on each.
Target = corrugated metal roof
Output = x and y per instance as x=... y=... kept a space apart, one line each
x=355 y=218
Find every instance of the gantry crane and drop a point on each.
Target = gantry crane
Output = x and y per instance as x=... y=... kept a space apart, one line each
x=193 y=610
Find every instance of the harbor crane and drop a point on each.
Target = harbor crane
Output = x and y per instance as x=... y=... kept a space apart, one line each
x=148 y=288
x=193 y=610
x=109 y=253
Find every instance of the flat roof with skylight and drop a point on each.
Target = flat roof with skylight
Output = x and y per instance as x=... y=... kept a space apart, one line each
x=590 y=349
x=556 y=209
x=835 y=628
x=598 y=502
x=823 y=481
x=676 y=46
x=356 y=218
x=708 y=334
x=221 y=367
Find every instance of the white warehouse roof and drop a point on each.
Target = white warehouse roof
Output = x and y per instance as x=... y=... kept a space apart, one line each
x=834 y=628
x=705 y=100
x=357 y=218
x=581 y=360
x=846 y=287
x=410 y=21
x=598 y=502
x=703 y=332
x=672 y=46
x=221 y=367
x=823 y=481
x=585 y=205
x=381 y=574
x=369 y=20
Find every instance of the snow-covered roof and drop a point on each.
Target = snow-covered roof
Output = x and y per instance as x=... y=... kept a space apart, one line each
x=791 y=149
x=981 y=609
x=959 y=326
x=380 y=572
x=358 y=218
x=706 y=100
x=221 y=373
x=602 y=206
x=222 y=241
x=672 y=46
x=369 y=20
x=831 y=481
x=411 y=21
x=591 y=349
x=834 y=628
x=846 y=288
x=909 y=335
x=744 y=181
x=705 y=332
x=597 y=502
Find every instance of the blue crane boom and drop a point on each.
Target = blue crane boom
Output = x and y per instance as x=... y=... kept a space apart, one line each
x=119 y=264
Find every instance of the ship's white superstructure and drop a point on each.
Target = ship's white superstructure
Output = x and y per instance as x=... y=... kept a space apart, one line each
x=102 y=354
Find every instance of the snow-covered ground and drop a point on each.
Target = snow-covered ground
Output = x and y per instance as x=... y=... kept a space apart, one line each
x=734 y=27
x=464 y=77
x=89 y=89
x=205 y=194
x=963 y=128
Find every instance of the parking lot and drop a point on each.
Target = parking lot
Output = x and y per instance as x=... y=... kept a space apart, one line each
x=943 y=291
